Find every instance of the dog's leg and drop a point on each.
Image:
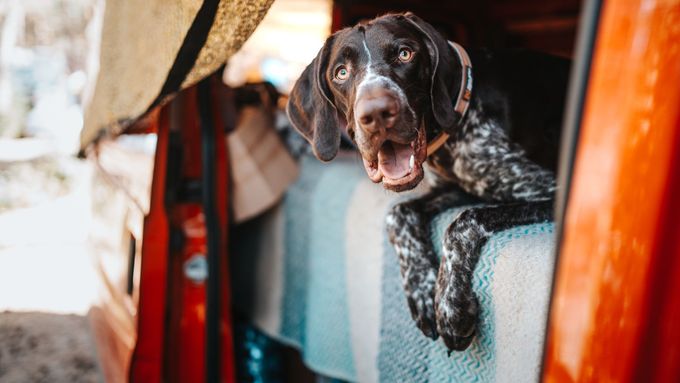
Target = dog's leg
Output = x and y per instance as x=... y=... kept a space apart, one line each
x=408 y=228
x=455 y=304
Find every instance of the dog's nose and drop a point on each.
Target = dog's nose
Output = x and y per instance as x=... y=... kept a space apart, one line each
x=377 y=110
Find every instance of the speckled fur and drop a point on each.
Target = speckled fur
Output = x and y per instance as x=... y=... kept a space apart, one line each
x=408 y=227
x=456 y=306
x=503 y=152
x=483 y=162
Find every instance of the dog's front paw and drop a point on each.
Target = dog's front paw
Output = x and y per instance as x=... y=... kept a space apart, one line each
x=420 y=297
x=408 y=232
x=456 y=314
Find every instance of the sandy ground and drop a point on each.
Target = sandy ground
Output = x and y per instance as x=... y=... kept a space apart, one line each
x=47 y=281
x=44 y=347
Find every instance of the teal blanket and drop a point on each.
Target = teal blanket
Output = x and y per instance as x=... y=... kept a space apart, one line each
x=317 y=273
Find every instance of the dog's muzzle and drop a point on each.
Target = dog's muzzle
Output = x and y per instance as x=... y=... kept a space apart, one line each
x=399 y=165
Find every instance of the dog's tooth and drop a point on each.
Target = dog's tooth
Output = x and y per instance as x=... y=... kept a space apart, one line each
x=411 y=162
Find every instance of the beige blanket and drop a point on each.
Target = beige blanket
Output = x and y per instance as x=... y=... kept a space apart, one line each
x=151 y=49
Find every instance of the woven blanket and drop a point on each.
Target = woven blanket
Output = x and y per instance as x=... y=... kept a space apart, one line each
x=318 y=273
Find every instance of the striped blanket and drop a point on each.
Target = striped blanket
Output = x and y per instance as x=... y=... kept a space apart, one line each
x=318 y=273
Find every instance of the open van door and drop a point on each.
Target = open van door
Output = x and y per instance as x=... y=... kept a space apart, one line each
x=615 y=314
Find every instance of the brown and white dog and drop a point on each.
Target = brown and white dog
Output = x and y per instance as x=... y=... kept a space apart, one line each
x=405 y=96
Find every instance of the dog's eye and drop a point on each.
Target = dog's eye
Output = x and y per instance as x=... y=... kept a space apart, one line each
x=341 y=73
x=405 y=55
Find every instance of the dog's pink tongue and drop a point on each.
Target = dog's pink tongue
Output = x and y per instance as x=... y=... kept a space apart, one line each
x=394 y=160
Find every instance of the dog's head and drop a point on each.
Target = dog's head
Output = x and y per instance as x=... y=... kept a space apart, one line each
x=383 y=82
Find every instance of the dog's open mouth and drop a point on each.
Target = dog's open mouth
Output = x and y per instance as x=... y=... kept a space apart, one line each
x=399 y=166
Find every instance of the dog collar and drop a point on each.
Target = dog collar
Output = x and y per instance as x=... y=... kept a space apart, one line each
x=463 y=99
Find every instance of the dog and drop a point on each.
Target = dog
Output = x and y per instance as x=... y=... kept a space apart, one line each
x=483 y=125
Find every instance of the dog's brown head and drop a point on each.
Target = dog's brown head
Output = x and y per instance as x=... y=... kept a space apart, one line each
x=383 y=82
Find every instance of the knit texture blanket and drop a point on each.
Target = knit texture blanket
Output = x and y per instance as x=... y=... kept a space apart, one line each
x=318 y=273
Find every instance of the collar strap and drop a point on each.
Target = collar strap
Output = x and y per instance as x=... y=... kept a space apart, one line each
x=463 y=99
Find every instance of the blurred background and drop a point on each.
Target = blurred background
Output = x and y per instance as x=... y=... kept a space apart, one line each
x=46 y=276
x=48 y=57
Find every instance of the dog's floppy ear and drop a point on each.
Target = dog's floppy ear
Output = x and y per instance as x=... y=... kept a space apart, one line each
x=311 y=110
x=442 y=70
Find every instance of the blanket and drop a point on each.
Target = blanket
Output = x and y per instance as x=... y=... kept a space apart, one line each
x=145 y=51
x=317 y=273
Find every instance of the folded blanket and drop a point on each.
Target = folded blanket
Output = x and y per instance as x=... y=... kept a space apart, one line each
x=147 y=50
x=318 y=273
